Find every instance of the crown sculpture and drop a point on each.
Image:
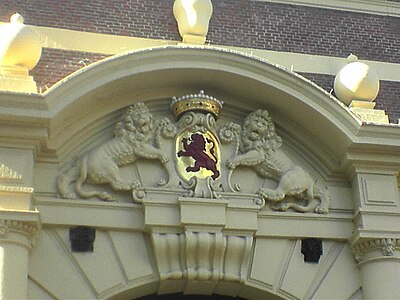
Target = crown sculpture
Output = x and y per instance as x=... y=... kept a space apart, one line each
x=196 y=157
x=196 y=102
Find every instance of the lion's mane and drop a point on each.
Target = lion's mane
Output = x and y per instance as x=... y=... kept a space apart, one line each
x=268 y=142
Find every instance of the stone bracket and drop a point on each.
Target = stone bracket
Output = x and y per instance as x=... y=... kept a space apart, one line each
x=200 y=240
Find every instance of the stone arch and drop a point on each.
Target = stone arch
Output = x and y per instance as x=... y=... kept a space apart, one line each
x=83 y=109
x=160 y=73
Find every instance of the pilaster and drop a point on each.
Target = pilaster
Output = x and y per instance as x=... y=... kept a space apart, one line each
x=379 y=263
x=377 y=204
x=19 y=222
x=376 y=238
x=17 y=234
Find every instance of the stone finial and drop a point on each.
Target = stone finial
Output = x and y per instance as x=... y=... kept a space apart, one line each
x=357 y=86
x=351 y=58
x=193 y=17
x=356 y=81
x=20 y=51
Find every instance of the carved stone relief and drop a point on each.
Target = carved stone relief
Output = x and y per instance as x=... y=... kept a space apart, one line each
x=14 y=192
x=202 y=256
x=384 y=247
x=199 y=158
x=17 y=232
x=101 y=166
x=9 y=174
x=260 y=148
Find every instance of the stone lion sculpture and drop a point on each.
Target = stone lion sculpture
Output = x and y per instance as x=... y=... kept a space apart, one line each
x=101 y=165
x=261 y=150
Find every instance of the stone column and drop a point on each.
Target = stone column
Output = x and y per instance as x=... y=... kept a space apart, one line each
x=15 y=242
x=376 y=239
x=379 y=263
x=19 y=221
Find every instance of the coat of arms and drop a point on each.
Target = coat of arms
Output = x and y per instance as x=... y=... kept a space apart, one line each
x=199 y=157
x=197 y=147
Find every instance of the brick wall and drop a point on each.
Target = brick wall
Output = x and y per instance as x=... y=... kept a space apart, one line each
x=324 y=81
x=389 y=100
x=139 y=18
x=56 y=64
x=235 y=22
x=307 y=30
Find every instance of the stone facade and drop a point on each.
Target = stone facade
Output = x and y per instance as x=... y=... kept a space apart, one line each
x=148 y=165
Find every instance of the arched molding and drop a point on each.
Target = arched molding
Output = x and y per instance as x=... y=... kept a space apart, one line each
x=251 y=290
x=138 y=290
x=85 y=102
x=244 y=82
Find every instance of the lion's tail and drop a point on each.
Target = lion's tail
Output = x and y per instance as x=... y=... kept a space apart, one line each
x=65 y=180
x=212 y=150
x=81 y=179
x=325 y=199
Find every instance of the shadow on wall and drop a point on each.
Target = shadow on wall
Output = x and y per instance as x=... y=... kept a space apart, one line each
x=188 y=297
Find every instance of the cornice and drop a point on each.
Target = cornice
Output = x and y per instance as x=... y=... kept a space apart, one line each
x=129 y=217
x=375 y=7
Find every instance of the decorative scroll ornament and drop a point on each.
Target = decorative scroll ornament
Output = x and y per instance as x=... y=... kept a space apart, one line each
x=198 y=157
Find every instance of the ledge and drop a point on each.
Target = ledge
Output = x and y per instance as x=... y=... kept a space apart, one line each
x=130 y=217
x=90 y=213
x=376 y=7
x=337 y=226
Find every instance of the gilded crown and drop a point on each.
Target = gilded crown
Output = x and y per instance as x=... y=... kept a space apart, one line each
x=196 y=102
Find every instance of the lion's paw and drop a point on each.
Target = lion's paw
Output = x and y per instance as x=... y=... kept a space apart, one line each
x=284 y=206
x=69 y=195
x=231 y=164
x=121 y=186
x=164 y=159
x=107 y=197
x=272 y=195
x=135 y=185
x=321 y=210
